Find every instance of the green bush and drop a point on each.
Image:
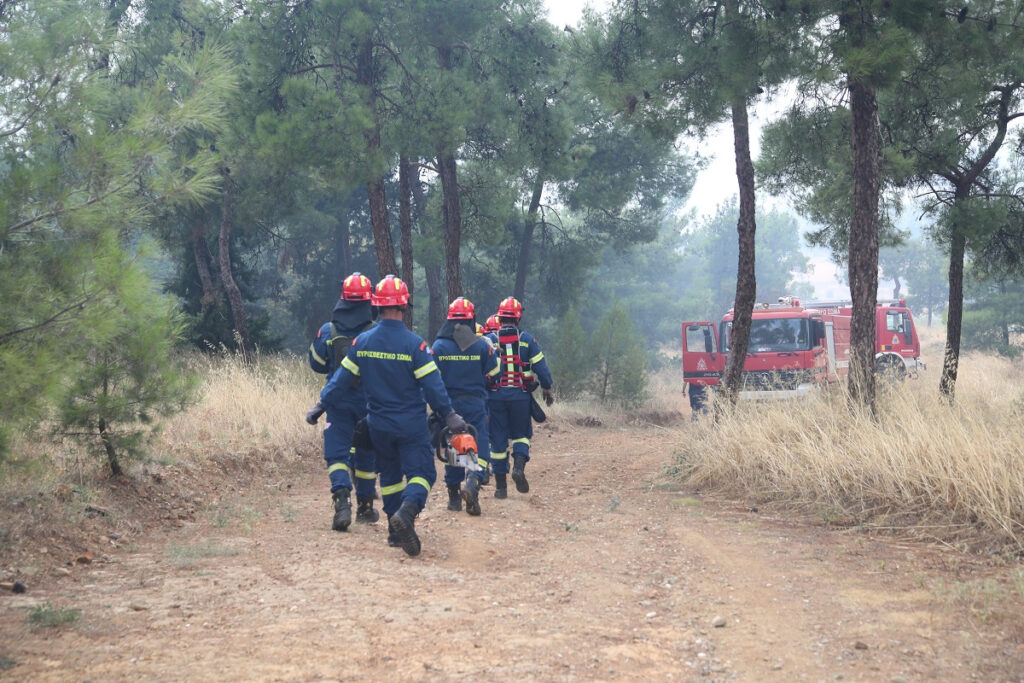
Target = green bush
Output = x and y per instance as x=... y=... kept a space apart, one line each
x=618 y=356
x=570 y=365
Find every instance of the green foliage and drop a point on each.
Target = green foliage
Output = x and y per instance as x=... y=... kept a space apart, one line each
x=618 y=357
x=129 y=374
x=569 y=356
x=87 y=163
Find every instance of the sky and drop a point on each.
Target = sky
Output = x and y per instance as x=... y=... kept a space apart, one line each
x=716 y=183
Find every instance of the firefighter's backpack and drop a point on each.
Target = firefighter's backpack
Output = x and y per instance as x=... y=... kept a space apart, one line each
x=337 y=346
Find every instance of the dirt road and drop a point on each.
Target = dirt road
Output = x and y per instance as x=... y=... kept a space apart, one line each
x=605 y=570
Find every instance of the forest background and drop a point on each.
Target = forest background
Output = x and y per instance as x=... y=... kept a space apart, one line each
x=204 y=174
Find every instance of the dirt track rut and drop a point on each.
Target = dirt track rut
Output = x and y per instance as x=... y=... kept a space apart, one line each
x=605 y=570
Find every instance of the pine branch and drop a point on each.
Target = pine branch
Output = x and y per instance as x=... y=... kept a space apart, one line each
x=35 y=109
x=52 y=319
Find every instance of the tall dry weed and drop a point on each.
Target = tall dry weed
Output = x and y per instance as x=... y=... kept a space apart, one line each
x=246 y=409
x=947 y=471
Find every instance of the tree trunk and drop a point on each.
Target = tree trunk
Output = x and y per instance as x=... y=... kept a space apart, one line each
x=405 y=228
x=452 y=210
x=527 y=241
x=343 y=249
x=436 y=307
x=241 y=322
x=108 y=446
x=896 y=288
x=108 y=443
x=452 y=223
x=955 y=312
x=863 y=261
x=958 y=245
x=746 y=280
x=211 y=292
x=380 y=220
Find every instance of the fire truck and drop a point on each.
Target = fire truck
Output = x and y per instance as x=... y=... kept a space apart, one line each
x=797 y=347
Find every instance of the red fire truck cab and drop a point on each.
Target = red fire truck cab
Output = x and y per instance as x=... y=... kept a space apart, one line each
x=795 y=347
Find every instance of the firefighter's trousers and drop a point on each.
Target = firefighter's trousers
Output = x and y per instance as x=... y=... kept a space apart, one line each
x=345 y=462
x=406 y=464
x=474 y=411
x=510 y=422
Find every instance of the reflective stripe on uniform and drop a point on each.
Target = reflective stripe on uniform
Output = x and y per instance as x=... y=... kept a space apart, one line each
x=349 y=365
x=338 y=466
x=316 y=356
x=421 y=481
x=362 y=474
x=499 y=456
x=425 y=370
x=394 y=488
x=495 y=371
x=538 y=358
x=523 y=440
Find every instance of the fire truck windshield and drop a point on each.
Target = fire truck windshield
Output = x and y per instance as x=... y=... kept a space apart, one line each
x=772 y=334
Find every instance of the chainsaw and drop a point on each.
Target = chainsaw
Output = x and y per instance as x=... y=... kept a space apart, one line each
x=458 y=450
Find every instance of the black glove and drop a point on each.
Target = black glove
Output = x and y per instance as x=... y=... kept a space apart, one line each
x=455 y=423
x=549 y=398
x=314 y=414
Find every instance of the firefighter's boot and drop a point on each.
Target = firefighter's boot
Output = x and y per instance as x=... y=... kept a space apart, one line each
x=454 y=498
x=471 y=494
x=500 y=486
x=485 y=473
x=365 y=513
x=519 y=473
x=342 y=510
x=393 y=535
x=404 y=524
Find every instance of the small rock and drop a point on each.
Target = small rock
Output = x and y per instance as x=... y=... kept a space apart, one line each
x=899 y=679
x=84 y=558
x=18 y=587
x=718 y=621
x=860 y=645
x=138 y=608
x=777 y=667
x=63 y=571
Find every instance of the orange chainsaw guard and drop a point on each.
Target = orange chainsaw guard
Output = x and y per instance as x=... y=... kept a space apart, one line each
x=463 y=443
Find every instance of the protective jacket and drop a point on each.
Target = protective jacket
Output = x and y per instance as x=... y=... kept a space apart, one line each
x=521 y=365
x=465 y=373
x=398 y=371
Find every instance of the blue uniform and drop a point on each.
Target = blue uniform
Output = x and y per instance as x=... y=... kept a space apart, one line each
x=465 y=376
x=509 y=405
x=397 y=371
x=339 y=451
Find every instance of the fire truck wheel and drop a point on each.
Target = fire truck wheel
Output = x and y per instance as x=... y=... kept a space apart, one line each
x=891 y=369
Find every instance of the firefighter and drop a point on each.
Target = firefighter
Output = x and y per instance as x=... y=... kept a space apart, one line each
x=491 y=327
x=397 y=371
x=466 y=361
x=352 y=315
x=522 y=366
x=698 y=399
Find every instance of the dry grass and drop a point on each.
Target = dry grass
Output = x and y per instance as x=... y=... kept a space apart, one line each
x=246 y=426
x=948 y=472
x=246 y=410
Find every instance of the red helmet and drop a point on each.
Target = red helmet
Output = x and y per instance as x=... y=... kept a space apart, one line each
x=492 y=324
x=479 y=330
x=390 y=291
x=461 y=309
x=510 y=308
x=357 y=287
